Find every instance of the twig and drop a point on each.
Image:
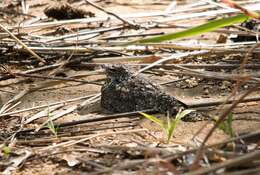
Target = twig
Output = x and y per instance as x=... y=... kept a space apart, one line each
x=140 y=47
x=206 y=13
x=132 y=35
x=12 y=12
x=27 y=91
x=211 y=49
x=221 y=118
x=216 y=75
x=228 y=163
x=44 y=68
x=242 y=9
x=73 y=142
x=174 y=56
x=67 y=111
x=113 y=14
x=170 y=66
x=96 y=119
x=245 y=172
x=43 y=113
x=209 y=102
x=61 y=137
x=21 y=43
x=140 y=15
x=54 y=78
x=64 y=37
x=254 y=134
x=14 y=100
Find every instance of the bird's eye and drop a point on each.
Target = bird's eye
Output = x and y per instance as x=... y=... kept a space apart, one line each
x=112 y=70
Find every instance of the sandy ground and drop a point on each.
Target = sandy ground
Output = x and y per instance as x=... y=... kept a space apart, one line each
x=183 y=134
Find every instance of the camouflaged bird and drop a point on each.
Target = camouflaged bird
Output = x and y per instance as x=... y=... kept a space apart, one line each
x=125 y=92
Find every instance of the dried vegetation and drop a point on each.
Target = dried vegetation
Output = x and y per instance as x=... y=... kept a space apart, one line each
x=51 y=77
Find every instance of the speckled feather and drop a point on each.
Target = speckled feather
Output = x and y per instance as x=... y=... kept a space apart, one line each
x=124 y=92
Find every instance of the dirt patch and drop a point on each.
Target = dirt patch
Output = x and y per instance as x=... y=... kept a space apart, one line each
x=51 y=111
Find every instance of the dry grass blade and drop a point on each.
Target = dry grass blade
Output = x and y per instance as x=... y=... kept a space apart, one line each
x=14 y=100
x=73 y=142
x=67 y=111
x=47 y=108
x=221 y=118
x=249 y=157
x=44 y=106
x=244 y=10
x=170 y=58
x=22 y=44
x=130 y=24
x=43 y=113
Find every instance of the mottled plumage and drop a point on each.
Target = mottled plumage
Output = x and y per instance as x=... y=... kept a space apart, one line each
x=125 y=92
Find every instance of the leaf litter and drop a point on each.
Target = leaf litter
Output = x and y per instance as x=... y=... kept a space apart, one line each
x=52 y=121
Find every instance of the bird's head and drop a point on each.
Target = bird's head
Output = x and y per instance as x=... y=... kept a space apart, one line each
x=117 y=72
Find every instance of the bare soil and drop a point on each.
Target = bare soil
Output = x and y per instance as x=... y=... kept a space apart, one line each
x=102 y=152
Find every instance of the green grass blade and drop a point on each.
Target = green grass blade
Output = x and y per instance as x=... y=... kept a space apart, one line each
x=182 y=114
x=229 y=124
x=153 y=118
x=226 y=126
x=174 y=123
x=171 y=129
x=6 y=150
x=51 y=127
x=207 y=27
